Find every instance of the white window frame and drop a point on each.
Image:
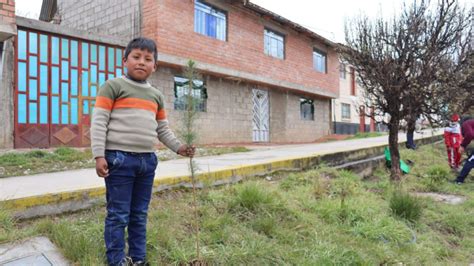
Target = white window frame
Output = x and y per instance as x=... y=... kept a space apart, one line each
x=343 y=111
x=201 y=11
x=274 y=43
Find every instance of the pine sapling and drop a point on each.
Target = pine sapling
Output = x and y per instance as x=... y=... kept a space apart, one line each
x=189 y=135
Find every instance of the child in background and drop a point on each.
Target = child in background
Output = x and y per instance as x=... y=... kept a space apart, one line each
x=453 y=139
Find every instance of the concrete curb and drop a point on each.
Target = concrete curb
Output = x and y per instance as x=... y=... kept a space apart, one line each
x=54 y=203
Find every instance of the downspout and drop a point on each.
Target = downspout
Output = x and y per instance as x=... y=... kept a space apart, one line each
x=333 y=103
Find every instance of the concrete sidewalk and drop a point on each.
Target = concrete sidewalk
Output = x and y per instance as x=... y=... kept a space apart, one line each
x=41 y=189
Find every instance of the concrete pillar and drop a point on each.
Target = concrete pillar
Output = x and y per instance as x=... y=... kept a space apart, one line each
x=7 y=31
x=6 y=96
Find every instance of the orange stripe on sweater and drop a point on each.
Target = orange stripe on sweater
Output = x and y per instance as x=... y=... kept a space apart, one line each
x=104 y=103
x=136 y=104
x=161 y=115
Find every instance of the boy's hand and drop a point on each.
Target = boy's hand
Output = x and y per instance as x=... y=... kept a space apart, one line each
x=101 y=167
x=461 y=149
x=187 y=151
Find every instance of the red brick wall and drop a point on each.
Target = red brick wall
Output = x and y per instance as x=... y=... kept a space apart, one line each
x=7 y=11
x=171 y=24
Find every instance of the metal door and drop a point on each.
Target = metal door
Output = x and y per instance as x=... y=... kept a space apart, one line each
x=57 y=79
x=261 y=116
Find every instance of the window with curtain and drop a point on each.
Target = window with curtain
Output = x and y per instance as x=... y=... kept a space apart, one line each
x=210 y=21
x=181 y=90
x=274 y=44
x=319 y=61
x=306 y=109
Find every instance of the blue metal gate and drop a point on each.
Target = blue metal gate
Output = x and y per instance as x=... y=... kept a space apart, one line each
x=57 y=78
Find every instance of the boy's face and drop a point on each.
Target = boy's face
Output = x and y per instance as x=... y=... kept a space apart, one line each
x=140 y=64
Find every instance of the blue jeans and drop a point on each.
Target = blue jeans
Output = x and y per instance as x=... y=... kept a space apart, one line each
x=468 y=165
x=128 y=193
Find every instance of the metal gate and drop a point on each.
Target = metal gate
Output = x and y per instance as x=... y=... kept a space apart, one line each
x=261 y=117
x=57 y=79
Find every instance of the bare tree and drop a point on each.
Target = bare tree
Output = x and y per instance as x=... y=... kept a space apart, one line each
x=398 y=61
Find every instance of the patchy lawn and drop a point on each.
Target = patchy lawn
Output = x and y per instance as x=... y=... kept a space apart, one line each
x=317 y=217
x=61 y=159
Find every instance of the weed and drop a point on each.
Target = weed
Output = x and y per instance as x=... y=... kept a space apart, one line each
x=251 y=198
x=405 y=206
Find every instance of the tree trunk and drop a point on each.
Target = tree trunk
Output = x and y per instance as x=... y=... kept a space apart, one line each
x=395 y=172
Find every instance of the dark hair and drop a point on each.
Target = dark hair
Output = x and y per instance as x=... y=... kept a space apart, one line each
x=142 y=44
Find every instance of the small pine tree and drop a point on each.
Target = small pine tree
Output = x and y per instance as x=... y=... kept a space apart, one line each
x=189 y=135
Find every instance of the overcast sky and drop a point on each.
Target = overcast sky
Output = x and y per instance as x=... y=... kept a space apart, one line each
x=323 y=17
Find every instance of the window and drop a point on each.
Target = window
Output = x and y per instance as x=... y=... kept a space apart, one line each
x=346 y=111
x=274 y=44
x=306 y=109
x=342 y=70
x=210 y=21
x=319 y=61
x=181 y=90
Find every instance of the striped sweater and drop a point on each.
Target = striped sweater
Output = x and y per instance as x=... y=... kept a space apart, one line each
x=129 y=116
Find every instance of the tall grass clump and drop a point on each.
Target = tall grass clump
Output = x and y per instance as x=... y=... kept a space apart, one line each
x=251 y=198
x=7 y=224
x=436 y=175
x=405 y=206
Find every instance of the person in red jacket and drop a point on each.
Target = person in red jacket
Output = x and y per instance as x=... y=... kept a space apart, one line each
x=452 y=139
x=468 y=134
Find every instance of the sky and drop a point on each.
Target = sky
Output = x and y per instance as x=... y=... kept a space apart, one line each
x=321 y=16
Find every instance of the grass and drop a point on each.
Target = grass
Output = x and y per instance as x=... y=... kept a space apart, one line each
x=363 y=135
x=316 y=217
x=405 y=206
x=64 y=158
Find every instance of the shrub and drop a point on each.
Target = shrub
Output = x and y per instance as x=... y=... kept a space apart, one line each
x=405 y=206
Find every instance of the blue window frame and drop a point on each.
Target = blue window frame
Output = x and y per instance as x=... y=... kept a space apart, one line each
x=210 y=21
x=319 y=61
x=274 y=44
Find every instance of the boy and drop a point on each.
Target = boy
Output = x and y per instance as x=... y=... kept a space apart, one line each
x=128 y=118
x=468 y=134
x=452 y=140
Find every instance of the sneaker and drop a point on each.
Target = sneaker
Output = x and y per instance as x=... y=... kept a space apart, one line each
x=127 y=261
x=140 y=263
x=455 y=181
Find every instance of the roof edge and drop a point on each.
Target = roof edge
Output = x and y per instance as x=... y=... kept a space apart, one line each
x=294 y=25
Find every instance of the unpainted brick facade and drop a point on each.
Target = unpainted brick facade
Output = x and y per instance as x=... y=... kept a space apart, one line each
x=228 y=118
x=114 y=17
x=7 y=11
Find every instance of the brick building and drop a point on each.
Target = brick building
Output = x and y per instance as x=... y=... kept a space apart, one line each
x=264 y=78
